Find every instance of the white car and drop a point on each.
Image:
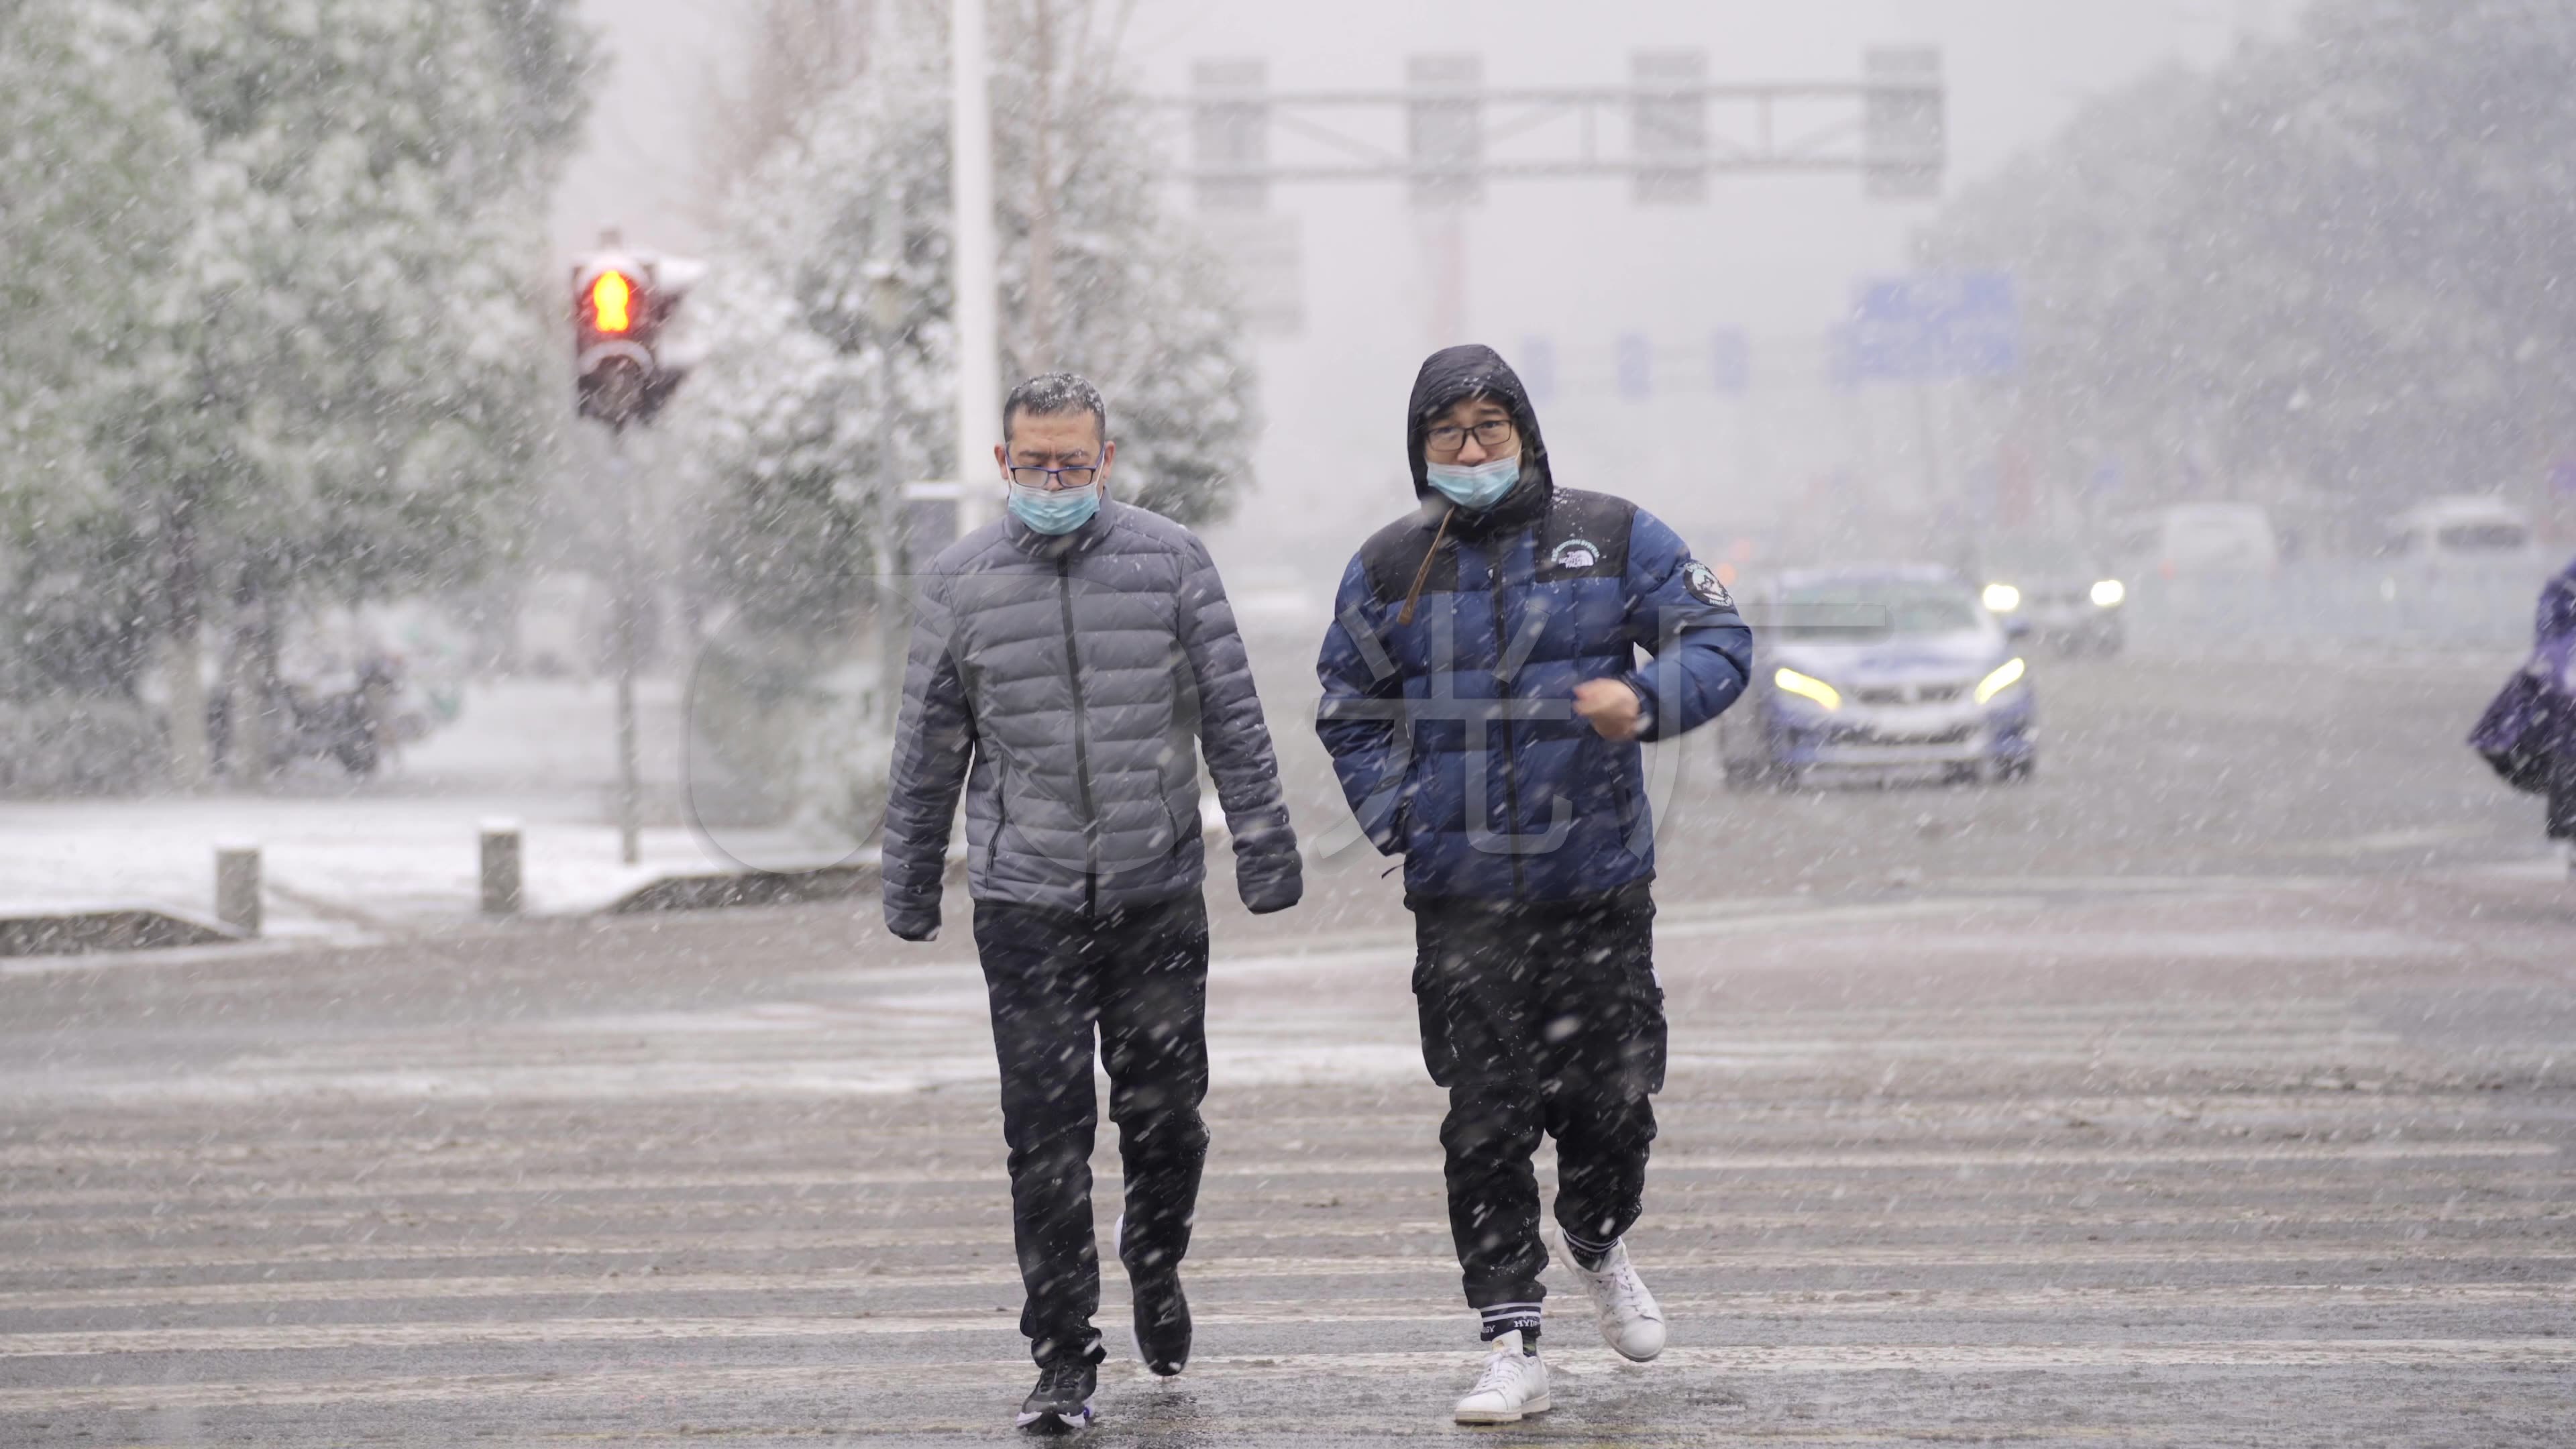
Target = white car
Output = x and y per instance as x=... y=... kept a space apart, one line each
x=2057 y=590
x=2473 y=532
x=2199 y=538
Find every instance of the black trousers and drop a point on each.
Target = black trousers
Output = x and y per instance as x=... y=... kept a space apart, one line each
x=1539 y=1018
x=1136 y=981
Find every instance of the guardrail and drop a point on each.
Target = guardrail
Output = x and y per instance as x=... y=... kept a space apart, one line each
x=2337 y=603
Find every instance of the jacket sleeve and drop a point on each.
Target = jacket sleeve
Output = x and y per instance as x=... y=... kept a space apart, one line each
x=2555 y=620
x=1236 y=740
x=1679 y=613
x=1361 y=717
x=934 y=741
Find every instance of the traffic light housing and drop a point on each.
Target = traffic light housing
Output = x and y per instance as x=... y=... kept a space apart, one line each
x=624 y=366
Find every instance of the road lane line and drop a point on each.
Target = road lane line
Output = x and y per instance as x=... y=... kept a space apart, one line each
x=1437 y=1275
x=2232 y=1249
x=662 y=1384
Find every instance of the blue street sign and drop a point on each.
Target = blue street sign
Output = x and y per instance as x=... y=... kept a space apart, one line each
x=1636 y=367
x=1935 y=325
x=1731 y=358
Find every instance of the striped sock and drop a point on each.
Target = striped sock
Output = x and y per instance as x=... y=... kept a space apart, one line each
x=1502 y=1318
x=1588 y=1255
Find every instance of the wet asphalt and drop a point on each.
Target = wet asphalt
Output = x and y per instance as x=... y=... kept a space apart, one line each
x=2216 y=1088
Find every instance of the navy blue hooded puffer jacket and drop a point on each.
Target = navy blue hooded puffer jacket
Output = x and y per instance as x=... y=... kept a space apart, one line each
x=1454 y=734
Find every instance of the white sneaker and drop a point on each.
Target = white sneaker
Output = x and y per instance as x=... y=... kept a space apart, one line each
x=1512 y=1387
x=1631 y=1321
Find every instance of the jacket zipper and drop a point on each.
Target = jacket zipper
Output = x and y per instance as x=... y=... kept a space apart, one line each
x=1081 y=751
x=1503 y=682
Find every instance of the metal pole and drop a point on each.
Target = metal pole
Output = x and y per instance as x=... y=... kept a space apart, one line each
x=893 y=523
x=501 y=860
x=1447 y=225
x=979 y=364
x=1929 y=443
x=887 y=312
x=237 y=886
x=628 y=791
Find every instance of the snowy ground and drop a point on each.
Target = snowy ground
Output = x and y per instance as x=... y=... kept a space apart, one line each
x=2217 y=1163
x=347 y=859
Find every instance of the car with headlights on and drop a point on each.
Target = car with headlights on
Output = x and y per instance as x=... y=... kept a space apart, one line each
x=2058 y=593
x=1880 y=669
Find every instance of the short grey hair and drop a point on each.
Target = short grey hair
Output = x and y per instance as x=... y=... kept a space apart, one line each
x=1052 y=394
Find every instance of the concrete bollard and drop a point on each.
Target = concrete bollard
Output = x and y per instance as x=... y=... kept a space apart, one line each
x=237 y=885
x=501 y=895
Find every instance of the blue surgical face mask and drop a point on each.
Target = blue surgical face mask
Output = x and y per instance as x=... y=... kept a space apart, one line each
x=1053 y=513
x=1479 y=488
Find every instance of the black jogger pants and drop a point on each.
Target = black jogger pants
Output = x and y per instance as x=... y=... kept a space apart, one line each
x=1540 y=1017
x=1136 y=980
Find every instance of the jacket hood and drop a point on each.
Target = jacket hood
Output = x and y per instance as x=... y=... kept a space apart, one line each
x=1455 y=373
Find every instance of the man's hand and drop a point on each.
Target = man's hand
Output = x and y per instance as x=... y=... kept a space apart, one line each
x=1613 y=708
x=914 y=925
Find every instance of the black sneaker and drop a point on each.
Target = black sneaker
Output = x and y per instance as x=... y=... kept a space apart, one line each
x=1162 y=1322
x=1162 y=1329
x=1061 y=1403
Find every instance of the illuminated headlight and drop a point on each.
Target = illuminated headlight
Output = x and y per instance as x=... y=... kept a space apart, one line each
x=2002 y=598
x=2108 y=594
x=2002 y=679
x=1791 y=681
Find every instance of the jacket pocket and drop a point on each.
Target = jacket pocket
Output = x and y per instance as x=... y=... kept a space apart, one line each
x=1649 y=1044
x=1439 y=1055
x=1623 y=796
x=1416 y=803
x=1627 y=933
x=1001 y=819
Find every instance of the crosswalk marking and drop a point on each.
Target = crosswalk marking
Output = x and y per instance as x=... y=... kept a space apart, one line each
x=1429 y=1275
x=1438 y=1367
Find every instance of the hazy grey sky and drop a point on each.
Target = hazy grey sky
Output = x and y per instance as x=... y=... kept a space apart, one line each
x=1574 y=262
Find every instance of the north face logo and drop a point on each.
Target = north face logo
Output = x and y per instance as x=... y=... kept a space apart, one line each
x=1576 y=553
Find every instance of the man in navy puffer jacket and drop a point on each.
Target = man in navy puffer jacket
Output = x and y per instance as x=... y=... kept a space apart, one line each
x=1483 y=703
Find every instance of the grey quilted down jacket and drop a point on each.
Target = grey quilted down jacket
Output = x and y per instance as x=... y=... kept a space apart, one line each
x=1068 y=684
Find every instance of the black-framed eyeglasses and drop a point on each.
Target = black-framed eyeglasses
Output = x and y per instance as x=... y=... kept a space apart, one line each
x=1449 y=441
x=1056 y=480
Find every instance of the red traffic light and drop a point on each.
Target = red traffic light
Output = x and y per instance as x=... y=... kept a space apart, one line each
x=622 y=303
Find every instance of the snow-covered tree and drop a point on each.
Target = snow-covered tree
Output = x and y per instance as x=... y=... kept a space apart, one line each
x=94 y=209
x=1099 y=275
x=287 y=292
x=792 y=55
x=2339 y=259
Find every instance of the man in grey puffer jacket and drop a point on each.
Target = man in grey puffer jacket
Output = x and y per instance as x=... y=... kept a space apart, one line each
x=1067 y=664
